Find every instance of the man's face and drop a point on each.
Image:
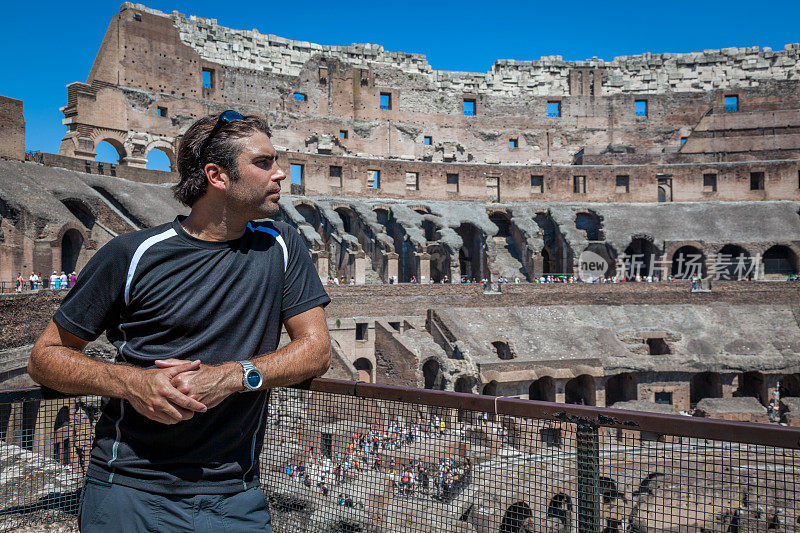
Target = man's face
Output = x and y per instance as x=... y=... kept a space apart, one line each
x=257 y=191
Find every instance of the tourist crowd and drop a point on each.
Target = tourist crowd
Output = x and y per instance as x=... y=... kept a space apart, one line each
x=37 y=281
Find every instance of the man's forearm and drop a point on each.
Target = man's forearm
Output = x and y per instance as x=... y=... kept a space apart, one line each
x=304 y=358
x=69 y=371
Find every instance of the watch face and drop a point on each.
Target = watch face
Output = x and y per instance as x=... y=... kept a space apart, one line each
x=253 y=379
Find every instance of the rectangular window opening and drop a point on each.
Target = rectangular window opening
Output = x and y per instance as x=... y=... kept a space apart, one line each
x=732 y=103
x=663 y=397
x=361 y=331
x=296 y=173
x=469 y=107
x=162 y=111
x=640 y=108
x=412 y=181
x=343 y=134
x=683 y=140
x=623 y=184
x=756 y=181
x=208 y=78
x=299 y=97
x=709 y=183
x=427 y=140
x=373 y=179
x=386 y=100
x=657 y=346
x=452 y=183
x=579 y=184
x=554 y=109
x=537 y=184
x=335 y=171
x=513 y=143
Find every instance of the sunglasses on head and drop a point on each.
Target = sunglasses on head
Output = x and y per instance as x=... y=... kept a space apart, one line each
x=224 y=118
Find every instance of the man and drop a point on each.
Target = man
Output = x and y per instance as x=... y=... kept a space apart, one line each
x=194 y=308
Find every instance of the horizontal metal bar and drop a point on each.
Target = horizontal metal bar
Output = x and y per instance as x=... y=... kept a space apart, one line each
x=662 y=424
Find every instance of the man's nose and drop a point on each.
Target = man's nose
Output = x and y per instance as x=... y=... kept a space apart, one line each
x=279 y=174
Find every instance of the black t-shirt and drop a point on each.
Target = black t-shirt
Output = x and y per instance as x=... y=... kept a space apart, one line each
x=161 y=293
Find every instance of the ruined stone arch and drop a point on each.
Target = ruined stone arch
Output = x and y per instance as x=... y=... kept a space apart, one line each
x=607 y=252
x=365 y=369
x=116 y=139
x=165 y=146
x=349 y=218
x=687 y=261
x=543 y=389
x=502 y=220
x=433 y=375
x=308 y=210
x=556 y=254
x=780 y=259
x=69 y=240
x=420 y=209
x=465 y=383
x=580 y=390
x=641 y=257
x=490 y=389
x=649 y=484
x=733 y=262
x=440 y=261
x=560 y=510
x=80 y=210
x=591 y=223
x=514 y=517
x=472 y=254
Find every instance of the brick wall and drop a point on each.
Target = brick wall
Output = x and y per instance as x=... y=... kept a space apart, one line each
x=12 y=129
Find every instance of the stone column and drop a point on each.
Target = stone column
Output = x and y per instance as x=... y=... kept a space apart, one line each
x=359 y=265
x=321 y=262
x=391 y=265
x=423 y=260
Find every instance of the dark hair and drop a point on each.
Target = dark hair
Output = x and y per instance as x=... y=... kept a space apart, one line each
x=222 y=150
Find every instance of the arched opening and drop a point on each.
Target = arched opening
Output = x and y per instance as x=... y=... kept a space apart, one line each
x=109 y=151
x=503 y=223
x=471 y=257
x=349 y=220
x=440 y=263
x=543 y=390
x=464 y=384
x=80 y=211
x=780 y=260
x=160 y=159
x=384 y=217
x=620 y=388
x=364 y=368
x=490 y=389
x=704 y=385
x=309 y=214
x=560 y=510
x=514 y=518
x=754 y=385
x=591 y=223
x=734 y=262
x=608 y=489
x=503 y=350
x=607 y=252
x=71 y=244
x=688 y=261
x=432 y=375
x=558 y=259
x=580 y=390
x=640 y=259
x=790 y=386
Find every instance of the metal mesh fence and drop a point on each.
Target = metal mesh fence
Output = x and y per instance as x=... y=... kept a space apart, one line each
x=347 y=458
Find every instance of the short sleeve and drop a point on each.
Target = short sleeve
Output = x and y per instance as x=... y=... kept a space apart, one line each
x=94 y=304
x=302 y=289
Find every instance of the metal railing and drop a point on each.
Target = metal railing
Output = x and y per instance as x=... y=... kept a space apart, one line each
x=346 y=456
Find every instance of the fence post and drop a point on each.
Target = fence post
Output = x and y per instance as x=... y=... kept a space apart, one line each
x=588 y=478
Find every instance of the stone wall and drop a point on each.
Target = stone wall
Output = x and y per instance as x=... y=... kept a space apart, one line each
x=12 y=129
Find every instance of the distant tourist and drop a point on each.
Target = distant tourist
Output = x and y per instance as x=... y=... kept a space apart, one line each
x=55 y=281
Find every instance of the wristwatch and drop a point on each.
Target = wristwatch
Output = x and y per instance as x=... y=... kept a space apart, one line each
x=252 y=379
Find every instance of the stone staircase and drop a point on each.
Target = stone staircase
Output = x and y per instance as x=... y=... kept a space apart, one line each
x=507 y=262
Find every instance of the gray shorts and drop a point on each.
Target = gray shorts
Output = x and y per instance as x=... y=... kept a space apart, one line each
x=111 y=507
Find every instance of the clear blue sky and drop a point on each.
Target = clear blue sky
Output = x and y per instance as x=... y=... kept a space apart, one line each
x=46 y=45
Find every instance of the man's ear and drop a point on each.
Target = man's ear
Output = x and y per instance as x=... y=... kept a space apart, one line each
x=217 y=176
